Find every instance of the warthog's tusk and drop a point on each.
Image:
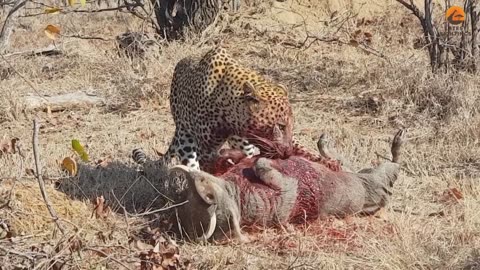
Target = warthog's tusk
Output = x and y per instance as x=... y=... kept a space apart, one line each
x=230 y=161
x=211 y=226
x=181 y=168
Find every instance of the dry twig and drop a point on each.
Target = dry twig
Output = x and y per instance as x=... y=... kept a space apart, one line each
x=125 y=213
x=14 y=252
x=119 y=8
x=89 y=37
x=159 y=210
x=110 y=257
x=41 y=183
x=7 y=27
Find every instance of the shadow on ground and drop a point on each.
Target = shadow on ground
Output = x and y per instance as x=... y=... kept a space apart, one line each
x=142 y=192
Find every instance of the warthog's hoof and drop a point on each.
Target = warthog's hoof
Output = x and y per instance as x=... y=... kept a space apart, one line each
x=244 y=239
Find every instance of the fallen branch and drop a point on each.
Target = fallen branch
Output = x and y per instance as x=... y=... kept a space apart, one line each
x=62 y=102
x=50 y=50
x=53 y=214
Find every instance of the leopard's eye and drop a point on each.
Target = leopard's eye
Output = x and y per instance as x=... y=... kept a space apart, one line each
x=251 y=98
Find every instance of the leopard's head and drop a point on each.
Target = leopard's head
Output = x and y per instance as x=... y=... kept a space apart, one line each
x=270 y=116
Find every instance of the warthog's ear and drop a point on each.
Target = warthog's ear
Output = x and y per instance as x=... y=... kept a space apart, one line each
x=205 y=189
x=203 y=186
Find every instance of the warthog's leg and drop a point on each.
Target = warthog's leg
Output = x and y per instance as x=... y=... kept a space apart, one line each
x=326 y=150
x=272 y=177
x=397 y=146
x=287 y=187
x=379 y=181
x=242 y=238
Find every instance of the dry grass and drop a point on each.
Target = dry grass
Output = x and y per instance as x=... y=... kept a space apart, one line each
x=358 y=98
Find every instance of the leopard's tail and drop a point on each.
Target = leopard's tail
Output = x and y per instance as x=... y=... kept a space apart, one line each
x=139 y=156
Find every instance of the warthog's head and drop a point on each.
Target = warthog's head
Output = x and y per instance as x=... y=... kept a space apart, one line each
x=211 y=204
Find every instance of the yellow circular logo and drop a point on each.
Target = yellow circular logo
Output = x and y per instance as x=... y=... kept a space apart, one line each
x=455 y=15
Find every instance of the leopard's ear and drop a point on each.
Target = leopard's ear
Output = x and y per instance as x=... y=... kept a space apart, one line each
x=282 y=89
x=250 y=93
x=277 y=132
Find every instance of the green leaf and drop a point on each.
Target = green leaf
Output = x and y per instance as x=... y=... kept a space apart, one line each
x=83 y=2
x=80 y=150
x=52 y=10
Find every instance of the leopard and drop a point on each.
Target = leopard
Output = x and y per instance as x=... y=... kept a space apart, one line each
x=214 y=99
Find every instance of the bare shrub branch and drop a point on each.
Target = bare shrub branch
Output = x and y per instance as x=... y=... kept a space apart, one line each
x=440 y=44
x=7 y=27
x=41 y=183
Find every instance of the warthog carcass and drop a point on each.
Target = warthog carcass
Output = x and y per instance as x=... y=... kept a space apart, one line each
x=274 y=191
